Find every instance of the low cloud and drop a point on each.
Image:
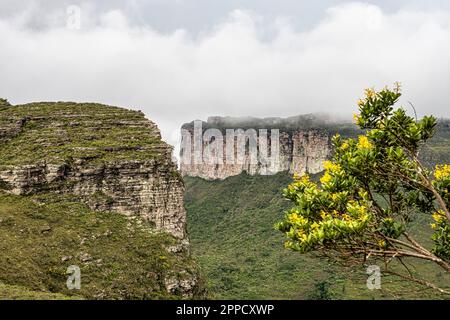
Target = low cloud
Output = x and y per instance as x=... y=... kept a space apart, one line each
x=245 y=65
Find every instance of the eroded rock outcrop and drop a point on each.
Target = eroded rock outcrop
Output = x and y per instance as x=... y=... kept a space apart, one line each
x=112 y=158
x=148 y=189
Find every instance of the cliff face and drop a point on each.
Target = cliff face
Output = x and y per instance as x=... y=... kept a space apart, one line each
x=148 y=189
x=301 y=147
x=95 y=152
x=113 y=159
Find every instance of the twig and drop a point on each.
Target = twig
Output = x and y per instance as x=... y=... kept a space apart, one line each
x=419 y=281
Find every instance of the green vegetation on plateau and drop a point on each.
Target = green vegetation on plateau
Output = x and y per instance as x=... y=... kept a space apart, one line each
x=58 y=132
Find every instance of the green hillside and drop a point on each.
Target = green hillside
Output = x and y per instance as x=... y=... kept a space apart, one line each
x=119 y=258
x=230 y=223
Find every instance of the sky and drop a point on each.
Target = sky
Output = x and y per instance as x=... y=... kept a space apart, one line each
x=180 y=60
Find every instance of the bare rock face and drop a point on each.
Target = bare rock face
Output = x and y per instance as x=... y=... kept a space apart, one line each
x=277 y=145
x=112 y=158
x=181 y=282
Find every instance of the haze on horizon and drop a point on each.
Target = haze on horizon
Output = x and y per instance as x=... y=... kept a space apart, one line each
x=180 y=60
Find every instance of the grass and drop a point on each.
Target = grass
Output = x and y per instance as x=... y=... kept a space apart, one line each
x=120 y=258
x=59 y=132
x=9 y=292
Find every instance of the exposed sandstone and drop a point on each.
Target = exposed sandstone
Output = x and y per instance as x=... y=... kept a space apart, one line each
x=302 y=149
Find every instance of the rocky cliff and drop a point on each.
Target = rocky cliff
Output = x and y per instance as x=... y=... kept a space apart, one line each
x=112 y=159
x=297 y=144
x=225 y=146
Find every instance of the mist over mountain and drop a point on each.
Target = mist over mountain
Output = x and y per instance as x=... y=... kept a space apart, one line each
x=305 y=121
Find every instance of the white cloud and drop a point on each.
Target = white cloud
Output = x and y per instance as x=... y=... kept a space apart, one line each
x=245 y=65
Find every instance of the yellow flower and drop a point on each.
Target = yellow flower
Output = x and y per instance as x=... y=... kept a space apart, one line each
x=362 y=210
x=327 y=164
x=356 y=117
x=364 y=143
x=315 y=225
x=346 y=217
x=294 y=217
x=433 y=226
x=305 y=178
x=438 y=216
x=302 y=236
x=326 y=178
x=301 y=178
x=364 y=218
x=381 y=243
x=333 y=167
x=442 y=172
x=370 y=92
x=361 y=102
x=324 y=215
x=345 y=145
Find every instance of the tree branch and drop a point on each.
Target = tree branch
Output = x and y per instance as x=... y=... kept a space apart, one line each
x=419 y=281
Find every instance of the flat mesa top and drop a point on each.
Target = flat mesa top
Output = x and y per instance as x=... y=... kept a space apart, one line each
x=56 y=132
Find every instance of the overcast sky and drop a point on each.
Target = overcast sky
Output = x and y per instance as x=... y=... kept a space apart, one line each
x=179 y=60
